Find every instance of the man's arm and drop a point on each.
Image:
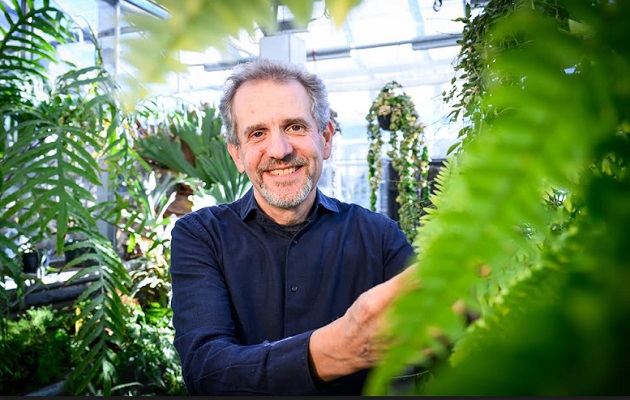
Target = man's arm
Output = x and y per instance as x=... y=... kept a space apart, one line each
x=354 y=341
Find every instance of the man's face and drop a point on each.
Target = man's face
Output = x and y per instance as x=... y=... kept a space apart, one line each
x=280 y=147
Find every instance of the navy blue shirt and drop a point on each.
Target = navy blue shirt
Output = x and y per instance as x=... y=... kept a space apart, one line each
x=247 y=294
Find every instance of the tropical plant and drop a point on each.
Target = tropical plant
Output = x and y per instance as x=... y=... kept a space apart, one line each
x=58 y=135
x=143 y=220
x=393 y=110
x=187 y=140
x=148 y=363
x=145 y=361
x=527 y=234
x=146 y=229
x=34 y=350
x=469 y=88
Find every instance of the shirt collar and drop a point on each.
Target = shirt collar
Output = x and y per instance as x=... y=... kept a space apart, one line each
x=249 y=207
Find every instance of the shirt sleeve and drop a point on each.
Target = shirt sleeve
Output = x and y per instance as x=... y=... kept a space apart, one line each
x=213 y=360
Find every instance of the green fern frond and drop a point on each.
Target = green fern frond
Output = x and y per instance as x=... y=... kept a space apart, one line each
x=547 y=122
x=101 y=321
x=537 y=286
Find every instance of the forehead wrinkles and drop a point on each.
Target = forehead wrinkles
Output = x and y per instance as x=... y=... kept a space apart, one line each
x=284 y=103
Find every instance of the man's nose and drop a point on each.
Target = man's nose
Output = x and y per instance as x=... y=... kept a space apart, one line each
x=279 y=145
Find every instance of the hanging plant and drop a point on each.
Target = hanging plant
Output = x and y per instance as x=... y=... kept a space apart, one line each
x=394 y=111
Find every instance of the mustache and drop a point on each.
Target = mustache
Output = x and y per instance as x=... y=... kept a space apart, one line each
x=290 y=160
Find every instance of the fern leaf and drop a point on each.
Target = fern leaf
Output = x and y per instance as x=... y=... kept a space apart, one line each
x=491 y=221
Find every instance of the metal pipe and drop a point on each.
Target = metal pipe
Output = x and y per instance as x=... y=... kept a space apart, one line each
x=423 y=43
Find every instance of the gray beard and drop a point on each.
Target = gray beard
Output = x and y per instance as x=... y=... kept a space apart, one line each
x=281 y=202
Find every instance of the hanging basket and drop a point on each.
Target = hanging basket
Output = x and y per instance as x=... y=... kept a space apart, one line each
x=384 y=121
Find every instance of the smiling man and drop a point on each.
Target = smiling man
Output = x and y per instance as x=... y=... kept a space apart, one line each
x=283 y=291
x=282 y=152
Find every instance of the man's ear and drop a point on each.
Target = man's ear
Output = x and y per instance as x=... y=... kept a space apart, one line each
x=328 y=133
x=236 y=157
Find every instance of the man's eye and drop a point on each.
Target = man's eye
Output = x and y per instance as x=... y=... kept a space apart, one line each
x=296 y=128
x=257 y=134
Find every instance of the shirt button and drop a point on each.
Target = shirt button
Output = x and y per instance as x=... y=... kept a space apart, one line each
x=295 y=242
x=294 y=288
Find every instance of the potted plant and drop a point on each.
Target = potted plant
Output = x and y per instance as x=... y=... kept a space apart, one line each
x=393 y=110
x=31 y=258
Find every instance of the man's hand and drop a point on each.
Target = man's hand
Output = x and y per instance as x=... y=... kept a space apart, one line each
x=356 y=340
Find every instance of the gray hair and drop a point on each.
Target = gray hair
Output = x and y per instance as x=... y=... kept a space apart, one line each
x=262 y=69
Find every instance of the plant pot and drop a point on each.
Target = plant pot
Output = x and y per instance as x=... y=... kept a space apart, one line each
x=384 y=121
x=31 y=261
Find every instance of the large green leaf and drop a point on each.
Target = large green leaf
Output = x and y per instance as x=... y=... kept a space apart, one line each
x=23 y=49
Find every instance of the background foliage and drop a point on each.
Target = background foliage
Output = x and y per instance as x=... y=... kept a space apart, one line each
x=186 y=141
x=407 y=152
x=59 y=135
x=32 y=349
x=148 y=363
x=520 y=264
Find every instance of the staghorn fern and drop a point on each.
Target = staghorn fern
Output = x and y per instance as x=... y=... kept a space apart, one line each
x=56 y=138
x=553 y=307
x=188 y=140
